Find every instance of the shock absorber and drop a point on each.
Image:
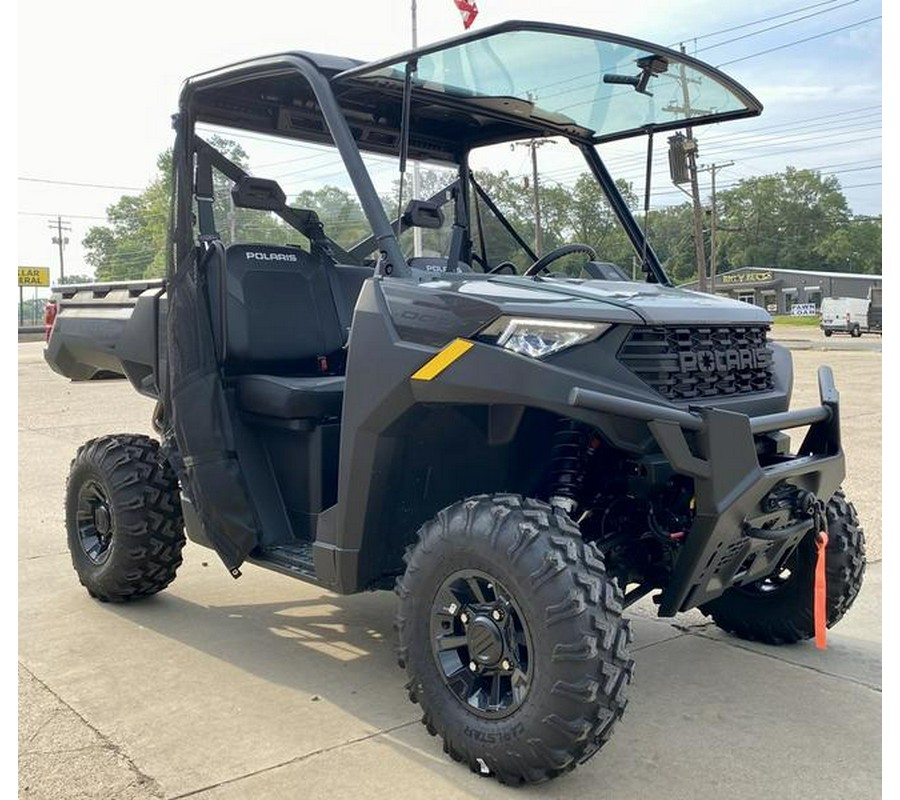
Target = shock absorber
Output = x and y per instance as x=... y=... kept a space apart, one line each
x=567 y=465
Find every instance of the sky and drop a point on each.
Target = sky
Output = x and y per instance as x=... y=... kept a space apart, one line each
x=98 y=81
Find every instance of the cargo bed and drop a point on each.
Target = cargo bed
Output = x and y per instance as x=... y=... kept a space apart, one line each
x=110 y=329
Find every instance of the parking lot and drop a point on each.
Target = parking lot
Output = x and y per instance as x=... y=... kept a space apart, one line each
x=270 y=688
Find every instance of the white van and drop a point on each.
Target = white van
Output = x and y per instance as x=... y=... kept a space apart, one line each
x=845 y=315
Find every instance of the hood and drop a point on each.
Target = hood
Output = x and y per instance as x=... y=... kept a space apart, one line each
x=612 y=301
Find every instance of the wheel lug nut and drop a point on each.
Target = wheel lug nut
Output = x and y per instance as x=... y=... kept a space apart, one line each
x=505 y=664
x=496 y=615
x=473 y=666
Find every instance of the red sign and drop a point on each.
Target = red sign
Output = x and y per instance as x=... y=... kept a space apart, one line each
x=468 y=11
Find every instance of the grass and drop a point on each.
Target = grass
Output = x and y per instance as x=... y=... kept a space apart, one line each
x=803 y=322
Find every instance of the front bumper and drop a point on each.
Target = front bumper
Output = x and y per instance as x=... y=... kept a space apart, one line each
x=735 y=539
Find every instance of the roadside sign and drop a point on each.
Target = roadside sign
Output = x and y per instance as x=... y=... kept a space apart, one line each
x=34 y=276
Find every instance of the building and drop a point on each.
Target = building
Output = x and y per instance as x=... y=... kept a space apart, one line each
x=780 y=290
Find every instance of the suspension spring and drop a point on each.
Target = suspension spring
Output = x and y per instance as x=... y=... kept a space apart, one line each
x=567 y=465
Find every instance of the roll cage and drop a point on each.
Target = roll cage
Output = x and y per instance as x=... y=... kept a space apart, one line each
x=359 y=107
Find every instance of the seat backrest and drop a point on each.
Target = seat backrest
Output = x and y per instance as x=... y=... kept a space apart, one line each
x=351 y=279
x=273 y=310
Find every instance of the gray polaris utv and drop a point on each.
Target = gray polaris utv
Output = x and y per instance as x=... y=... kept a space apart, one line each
x=521 y=453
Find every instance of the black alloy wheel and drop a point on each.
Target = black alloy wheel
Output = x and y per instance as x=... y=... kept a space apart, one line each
x=511 y=634
x=94 y=521
x=481 y=644
x=776 y=582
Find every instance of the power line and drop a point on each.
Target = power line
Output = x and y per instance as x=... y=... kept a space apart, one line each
x=791 y=148
x=863 y=123
x=83 y=185
x=860 y=185
x=759 y=21
x=735 y=183
x=784 y=130
x=800 y=41
x=779 y=25
x=783 y=147
x=574 y=172
x=863 y=112
x=832 y=171
x=50 y=213
x=706 y=36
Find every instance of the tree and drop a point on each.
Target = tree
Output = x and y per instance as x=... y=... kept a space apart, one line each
x=578 y=213
x=781 y=220
x=854 y=247
x=432 y=181
x=796 y=219
x=132 y=244
x=513 y=200
x=31 y=310
x=594 y=222
x=339 y=211
x=671 y=234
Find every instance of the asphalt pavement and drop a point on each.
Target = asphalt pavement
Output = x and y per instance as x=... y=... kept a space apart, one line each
x=267 y=687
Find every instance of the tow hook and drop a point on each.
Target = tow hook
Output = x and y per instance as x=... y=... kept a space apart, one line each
x=808 y=505
x=804 y=504
x=785 y=497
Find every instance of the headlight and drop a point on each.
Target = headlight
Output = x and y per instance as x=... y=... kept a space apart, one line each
x=541 y=337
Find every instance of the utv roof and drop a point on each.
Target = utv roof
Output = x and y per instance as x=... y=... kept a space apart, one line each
x=509 y=81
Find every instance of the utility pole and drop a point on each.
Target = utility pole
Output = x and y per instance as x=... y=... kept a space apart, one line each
x=232 y=220
x=690 y=149
x=60 y=227
x=533 y=145
x=417 y=232
x=712 y=169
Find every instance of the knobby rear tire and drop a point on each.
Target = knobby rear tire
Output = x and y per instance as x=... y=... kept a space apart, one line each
x=134 y=548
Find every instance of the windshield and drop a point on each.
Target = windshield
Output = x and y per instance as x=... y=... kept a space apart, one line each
x=594 y=84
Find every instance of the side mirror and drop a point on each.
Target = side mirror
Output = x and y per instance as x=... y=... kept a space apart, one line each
x=260 y=194
x=422 y=214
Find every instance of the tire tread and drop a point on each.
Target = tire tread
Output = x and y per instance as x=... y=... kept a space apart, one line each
x=587 y=622
x=149 y=533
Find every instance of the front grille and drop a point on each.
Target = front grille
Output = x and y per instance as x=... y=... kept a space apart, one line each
x=691 y=363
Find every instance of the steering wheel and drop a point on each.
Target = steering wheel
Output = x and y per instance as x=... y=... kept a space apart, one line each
x=503 y=267
x=543 y=262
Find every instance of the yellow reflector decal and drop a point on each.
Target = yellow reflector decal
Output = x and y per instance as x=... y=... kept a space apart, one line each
x=434 y=367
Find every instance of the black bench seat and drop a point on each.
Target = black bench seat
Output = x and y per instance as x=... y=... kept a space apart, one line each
x=318 y=397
